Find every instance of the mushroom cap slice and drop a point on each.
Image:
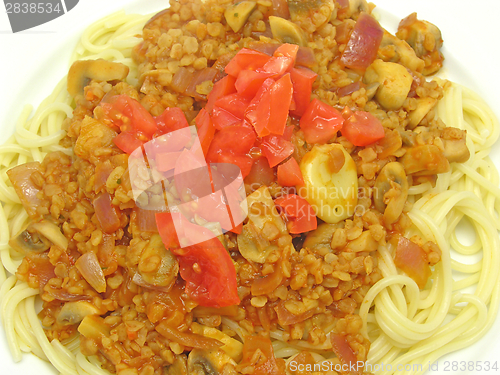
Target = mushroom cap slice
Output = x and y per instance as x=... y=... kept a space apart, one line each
x=82 y=71
x=75 y=312
x=38 y=237
x=286 y=31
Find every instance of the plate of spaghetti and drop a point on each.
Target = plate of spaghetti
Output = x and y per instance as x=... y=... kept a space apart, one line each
x=255 y=187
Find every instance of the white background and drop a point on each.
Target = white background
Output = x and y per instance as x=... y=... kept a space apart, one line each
x=33 y=61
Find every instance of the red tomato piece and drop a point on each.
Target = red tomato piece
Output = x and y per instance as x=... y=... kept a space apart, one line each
x=278 y=65
x=320 y=122
x=212 y=282
x=249 y=82
x=300 y=213
x=170 y=120
x=221 y=88
x=235 y=104
x=139 y=121
x=206 y=130
x=363 y=44
x=127 y=142
x=289 y=173
x=260 y=174
x=251 y=112
x=136 y=124
x=222 y=118
x=302 y=80
x=288 y=50
x=244 y=162
x=236 y=139
x=282 y=61
x=206 y=267
x=272 y=110
x=362 y=129
x=276 y=149
x=287 y=134
x=246 y=59
x=166 y=229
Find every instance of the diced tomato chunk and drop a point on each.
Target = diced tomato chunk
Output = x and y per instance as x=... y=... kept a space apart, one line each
x=278 y=65
x=272 y=110
x=243 y=161
x=249 y=82
x=171 y=119
x=246 y=59
x=237 y=139
x=206 y=130
x=288 y=50
x=299 y=212
x=276 y=149
x=212 y=282
x=302 y=80
x=127 y=142
x=222 y=118
x=260 y=174
x=251 y=112
x=289 y=173
x=320 y=122
x=235 y=104
x=362 y=129
x=139 y=120
x=221 y=88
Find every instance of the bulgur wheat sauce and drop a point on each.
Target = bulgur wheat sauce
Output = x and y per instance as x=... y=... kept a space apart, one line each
x=340 y=285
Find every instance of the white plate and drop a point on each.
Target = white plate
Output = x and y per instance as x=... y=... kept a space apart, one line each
x=33 y=61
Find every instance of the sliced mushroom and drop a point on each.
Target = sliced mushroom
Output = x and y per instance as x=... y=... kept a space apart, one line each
x=425 y=39
x=75 y=312
x=52 y=232
x=455 y=147
x=455 y=150
x=358 y=6
x=82 y=71
x=321 y=237
x=252 y=245
x=93 y=327
x=208 y=362
x=365 y=242
x=395 y=83
x=237 y=14
x=158 y=266
x=286 y=31
x=424 y=105
x=396 y=50
x=264 y=225
x=38 y=237
x=232 y=347
x=425 y=160
x=179 y=367
x=391 y=191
